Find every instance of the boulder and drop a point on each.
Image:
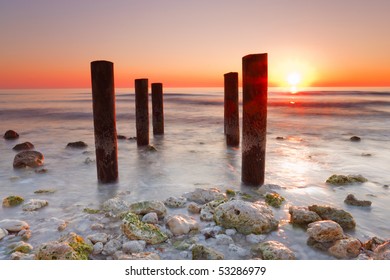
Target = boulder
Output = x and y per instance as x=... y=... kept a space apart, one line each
x=202 y=196
x=352 y=200
x=23 y=146
x=134 y=229
x=325 y=231
x=181 y=224
x=273 y=250
x=35 y=204
x=77 y=145
x=274 y=199
x=68 y=247
x=300 y=215
x=382 y=252
x=12 y=200
x=343 y=218
x=115 y=207
x=175 y=202
x=145 y=207
x=246 y=217
x=208 y=209
x=200 y=252
x=28 y=159
x=10 y=135
x=341 y=180
x=346 y=248
x=13 y=225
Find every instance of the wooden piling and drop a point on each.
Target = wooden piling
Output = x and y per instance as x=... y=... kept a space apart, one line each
x=231 y=112
x=142 y=111
x=157 y=108
x=255 y=88
x=103 y=96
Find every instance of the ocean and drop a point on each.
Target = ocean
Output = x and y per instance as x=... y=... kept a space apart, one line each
x=316 y=125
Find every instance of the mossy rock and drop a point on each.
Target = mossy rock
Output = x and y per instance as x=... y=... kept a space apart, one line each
x=135 y=229
x=200 y=252
x=12 y=200
x=341 y=180
x=91 y=211
x=145 y=207
x=274 y=199
x=44 y=191
x=230 y=192
x=340 y=216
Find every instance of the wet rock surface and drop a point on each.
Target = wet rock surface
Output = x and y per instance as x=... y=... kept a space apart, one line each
x=340 y=216
x=28 y=159
x=352 y=200
x=11 y=135
x=23 y=146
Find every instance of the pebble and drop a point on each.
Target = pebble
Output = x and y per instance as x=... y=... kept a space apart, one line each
x=13 y=225
x=97 y=248
x=150 y=218
x=134 y=246
x=255 y=238
x=223 y=239
x=230 y=231
x=98 y=237
x=111 y=247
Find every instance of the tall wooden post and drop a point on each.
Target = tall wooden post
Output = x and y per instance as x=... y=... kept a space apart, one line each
x=254 y=128
x=157 y=108
x=103 y=96
x=231 y=113
x=142 y=111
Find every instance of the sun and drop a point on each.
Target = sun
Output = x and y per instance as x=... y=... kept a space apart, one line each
x=294 y=79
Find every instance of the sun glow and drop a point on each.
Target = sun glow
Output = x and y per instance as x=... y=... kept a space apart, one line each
x=293 y=79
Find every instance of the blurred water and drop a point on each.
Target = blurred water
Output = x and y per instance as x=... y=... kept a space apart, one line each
x=316 y=126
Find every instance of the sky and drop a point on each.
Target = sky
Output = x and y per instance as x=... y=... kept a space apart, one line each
x=189 y=43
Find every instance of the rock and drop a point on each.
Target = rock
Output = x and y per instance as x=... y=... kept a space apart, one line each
x=150 y=218
x=22 y=247
x=91 y=211
x=10 y=135
x=137 y=256
x=246 y=217
x=97 y=226
x=382 y=252
x=209 y=232
x=98 y=237
x=111 y=247
x=341 y=180
x=208 y=209
x=193 y=208
x=373 y=243
x=274 y=199
x=41 y=171
x=302 y=215
x=25 y=234
x=44 y=191
x=145 y=207
x=346 y=248
x=35 y=204
x=13 y=225
x=325 y=231
x=203 y=196
x=88 y=160
x=23 y=146
x=151 y=148
x=12 y=200
x=366 y=154
x=200 y=252
x=134 y=246
x=255 y=238
x=230 y=193
x=352 y=200
x=77 y=145
x=231 y=231
x=115 y=207
x=134 y=229
x=181 y=224
x=28 y=159
x=97 y=248
x=355 y=139
x=175 y=202
x=273 y=250
x=21 y=256
x=3 y=233
x=68 y=247
x=121 y=137
x=280 y=138
x=223 y=239
x=241 y=252
x=343 y=218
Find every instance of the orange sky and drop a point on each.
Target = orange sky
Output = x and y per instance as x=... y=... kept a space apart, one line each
x=49 y=44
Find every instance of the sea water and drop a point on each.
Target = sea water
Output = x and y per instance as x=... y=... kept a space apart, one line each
x=316 y=125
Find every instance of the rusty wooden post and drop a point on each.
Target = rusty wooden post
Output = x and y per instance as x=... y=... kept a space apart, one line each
x=157 y=108
x=254 y=128
x=142 y=111
x=232 y=127
x=103 y=95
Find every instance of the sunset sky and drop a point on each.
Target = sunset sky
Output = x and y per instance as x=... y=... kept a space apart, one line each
x=50 y=43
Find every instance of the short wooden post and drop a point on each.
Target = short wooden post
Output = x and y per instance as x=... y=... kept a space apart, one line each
x=254 y=128
x=157 y=108
x=103 y=96
x=142 y=111
x=231 y=113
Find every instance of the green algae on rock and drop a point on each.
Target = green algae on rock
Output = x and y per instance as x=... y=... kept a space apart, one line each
x=145 y=207
x=341 y=180
x=273 y=250
x=343 y=218
x=274 y=199
x=12 y=200
x=200 y=252
x=135 y=229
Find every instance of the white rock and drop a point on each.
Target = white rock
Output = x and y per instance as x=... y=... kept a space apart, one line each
x=175 y=202
x=35 y=204
x=97 y=248
x=150 y=218
x=134 y=246
x=206 y=213
x=203 y=196
x=255 y=238
x=111 y=247
x=223 y=239
x=230 y=231
x=115 y=206
x=13 y=225
x=325 y=231
x=238 y=250
x=181 y=224
x=98 y=237
x=3 y=233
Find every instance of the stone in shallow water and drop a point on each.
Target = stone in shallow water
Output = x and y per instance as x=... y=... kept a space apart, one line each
x=382 y=252
x=12 y=200
x=134 y=246
x=3 y=233
x=325 y=231
x=274 y=199
x=300 y=215
x=200 y=252
x=150 y=218
x=77 y=145
x=181 y=224
x=175 y=202
x=273 y=250
x=23 y=146
x=35 y=204
x=203 y=196
x=145 y=207
x=341 y=180
x=352 y=200
x=13 y=225
x=98 y=237
x=28 y=159
x=10 y=135
x=343 y=218
x=346 y=248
